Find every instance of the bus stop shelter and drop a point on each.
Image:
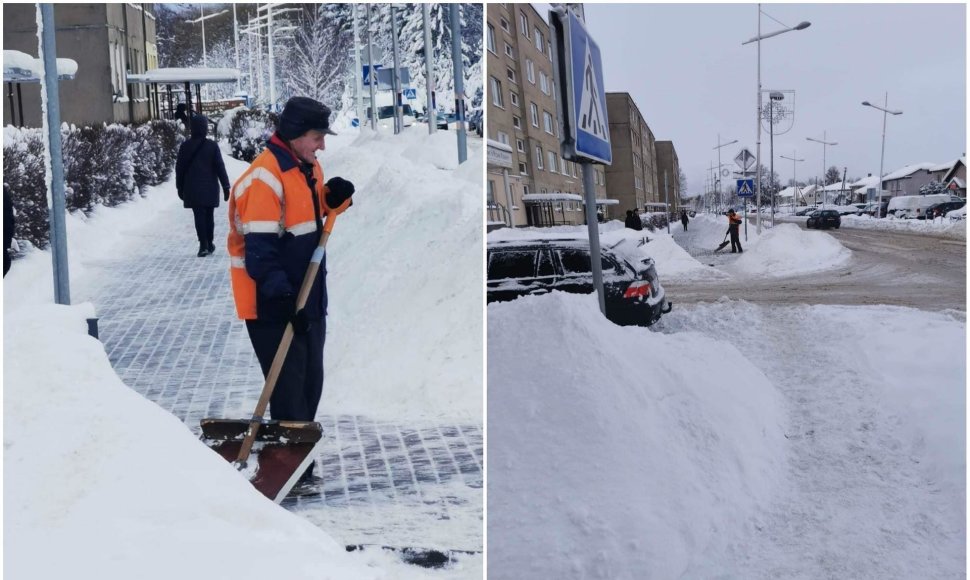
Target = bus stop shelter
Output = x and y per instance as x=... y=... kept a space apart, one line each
x=186 y=77
x=19 y=68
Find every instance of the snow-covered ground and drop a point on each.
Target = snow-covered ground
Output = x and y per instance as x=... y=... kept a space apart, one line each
x=101 y=482
x=942 y=227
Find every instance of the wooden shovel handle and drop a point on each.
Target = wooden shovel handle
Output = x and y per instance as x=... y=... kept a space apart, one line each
x=284 y=348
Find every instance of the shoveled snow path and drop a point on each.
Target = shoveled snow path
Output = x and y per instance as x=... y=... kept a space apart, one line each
x=859 y=503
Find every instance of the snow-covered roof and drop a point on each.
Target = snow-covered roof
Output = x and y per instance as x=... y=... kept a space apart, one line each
x=944 y=166
x=953 y=168
x=186 y=75
x=787 y=192
x=20 y=67
x=551 y=197
x=607 y=202
x=837 y=186
x=868 y=181
x=498 y=145
x=960 y=183
x=909 y=170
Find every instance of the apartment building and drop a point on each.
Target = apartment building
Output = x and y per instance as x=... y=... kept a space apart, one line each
x=107 y=41
x=544 y=188
x=667 y=164
x=632 y=179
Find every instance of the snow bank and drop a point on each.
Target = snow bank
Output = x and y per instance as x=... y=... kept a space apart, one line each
x=788 y=250
x=405 y=329
x=612 y=453
x=100 y=481
x=945 y=228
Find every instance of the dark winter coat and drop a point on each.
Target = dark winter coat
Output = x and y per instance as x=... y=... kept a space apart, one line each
x=633 y=222
x=199 y=169
x=8 y=227
x=683 y=218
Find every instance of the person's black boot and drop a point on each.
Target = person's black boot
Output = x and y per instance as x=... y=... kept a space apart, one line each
x=203 y=250
x=212 y=247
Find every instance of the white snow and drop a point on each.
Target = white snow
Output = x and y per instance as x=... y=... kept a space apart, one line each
x=99 y=479
x=786 y=250
x=19 y=66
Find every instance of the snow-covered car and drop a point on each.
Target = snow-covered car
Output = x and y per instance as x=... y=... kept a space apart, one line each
x=957 y=214
x=804 y=210
x=824 y=218
x=517 y=268
x=940 y=209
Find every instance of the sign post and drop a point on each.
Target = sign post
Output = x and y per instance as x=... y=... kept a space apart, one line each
x=745 y=191
x=581 y=106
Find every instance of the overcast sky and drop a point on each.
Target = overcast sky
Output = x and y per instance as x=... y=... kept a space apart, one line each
x=692 y=79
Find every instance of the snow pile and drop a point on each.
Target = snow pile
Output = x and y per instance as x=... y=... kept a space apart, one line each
x=944 y=228
x=100 y=481
x=787 y=250
x=611 y=451
x=405 y=278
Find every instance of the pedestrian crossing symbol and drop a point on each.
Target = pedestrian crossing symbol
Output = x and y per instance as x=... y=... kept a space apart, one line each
x=588 y=125
x=745 y=188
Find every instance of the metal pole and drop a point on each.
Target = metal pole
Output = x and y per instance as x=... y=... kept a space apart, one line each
x=718 y=165
x=758 y=119
x=396 y=75
x=358 y=85
x=508 y=193
x=235 y=46
x=460 y=85
x=272 y=61
x=371 y=72
x=824 y=147
x=882 y=156
x=205 y=62
x=429 y=74
x=771 y=154
x=667 y=201
x=51 y=97
x=592 y=227
x=259 y=65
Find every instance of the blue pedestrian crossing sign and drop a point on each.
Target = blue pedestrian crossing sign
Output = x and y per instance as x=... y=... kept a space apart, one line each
x=411 y=94
x=368 y=77
x=745 y=188
x=586 y=128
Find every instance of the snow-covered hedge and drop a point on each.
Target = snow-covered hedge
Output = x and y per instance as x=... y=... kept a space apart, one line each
x=249 y=130
x=103 y=165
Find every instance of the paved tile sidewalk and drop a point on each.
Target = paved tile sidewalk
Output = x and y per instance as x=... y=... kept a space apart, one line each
x=169 y=328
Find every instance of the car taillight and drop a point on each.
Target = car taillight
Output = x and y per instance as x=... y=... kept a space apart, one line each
x=639 y=289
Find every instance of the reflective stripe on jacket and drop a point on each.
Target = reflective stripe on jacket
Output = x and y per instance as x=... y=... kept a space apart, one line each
x=273 y=232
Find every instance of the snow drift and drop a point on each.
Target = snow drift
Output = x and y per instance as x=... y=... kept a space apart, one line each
x=612 y=452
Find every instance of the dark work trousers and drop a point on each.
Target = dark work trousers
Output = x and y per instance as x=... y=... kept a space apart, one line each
x=735 y=240
x=204 y=224
x=300 y=383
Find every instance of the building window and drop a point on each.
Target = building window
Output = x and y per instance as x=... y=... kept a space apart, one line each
x=539 y=157
x=505 y=26
x=547 y=121
x=552 y=162
x=517 y=122
x=491 y=38
x=503 y=137
x=497 y=92
x=530 y=70
x=510 y=74
x=524 y=24
x=520 y=145
x=514 y=98
x=543 y=83
x=637 y=182
x=535 y=114
x=508 y=50
x=540 y=42
x=525 y=189
x=491 y=192
x=549 y=48
x=523 y=168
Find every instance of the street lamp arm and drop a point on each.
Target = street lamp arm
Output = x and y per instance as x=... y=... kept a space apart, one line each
x=868 y=104
x=206 y=17
x=726 y=144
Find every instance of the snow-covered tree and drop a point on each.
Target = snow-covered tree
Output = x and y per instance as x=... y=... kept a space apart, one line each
x=316 y=67
x=832 y=175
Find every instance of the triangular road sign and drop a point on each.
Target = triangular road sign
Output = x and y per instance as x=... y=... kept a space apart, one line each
x=592 y=114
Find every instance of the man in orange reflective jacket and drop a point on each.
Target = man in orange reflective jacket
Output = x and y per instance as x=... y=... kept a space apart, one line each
x=276 y=214
x=734 y=226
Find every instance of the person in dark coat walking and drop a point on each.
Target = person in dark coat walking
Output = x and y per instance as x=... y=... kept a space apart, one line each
x=8 y=227
x=633 y=221
x=181 y=115
x=199 y=171
x=683 y=218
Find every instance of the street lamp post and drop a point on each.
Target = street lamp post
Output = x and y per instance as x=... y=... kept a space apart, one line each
x=825 y=145
x=718 y=148
x=774 y=96
x=201 y=19
x=794 y=176
x=882 y=155
x=800 y=26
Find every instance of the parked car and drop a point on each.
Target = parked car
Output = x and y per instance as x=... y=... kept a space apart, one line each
x=942 y=208
x=871 y=208
x=805 y=210
x=633 y=292
x=824 y=218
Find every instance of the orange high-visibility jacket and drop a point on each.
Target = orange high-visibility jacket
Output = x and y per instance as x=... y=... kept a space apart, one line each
x=273 y=231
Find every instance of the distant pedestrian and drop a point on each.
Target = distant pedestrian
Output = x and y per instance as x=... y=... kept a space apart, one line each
x=633 y=221
x=8 y=227
x=182 y=115
x=199 y=171
x=734 y=229
x=683 y=218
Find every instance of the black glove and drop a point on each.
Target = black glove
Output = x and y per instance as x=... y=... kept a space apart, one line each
x=339 y=190
x=300 y=322
x=225 y=195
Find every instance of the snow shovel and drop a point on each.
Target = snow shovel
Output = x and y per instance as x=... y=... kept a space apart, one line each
x=272 y=454
x=724 y=243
